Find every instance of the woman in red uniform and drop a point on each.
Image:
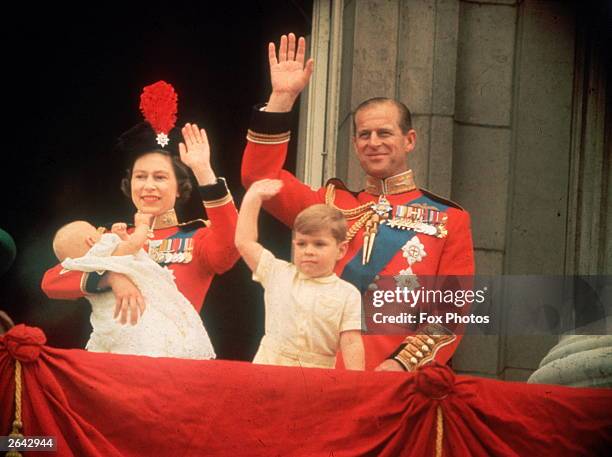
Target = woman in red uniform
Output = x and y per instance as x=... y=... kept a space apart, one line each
x=156 y=181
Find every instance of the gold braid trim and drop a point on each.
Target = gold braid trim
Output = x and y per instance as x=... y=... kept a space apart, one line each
x=364 y=212
x=268 y=138
x=439 y=431
x=350 y=234
x=206 y=222
x=354 y=213
x=218 y=202
x=83 y=284
x=17 y=424
x=420 y=349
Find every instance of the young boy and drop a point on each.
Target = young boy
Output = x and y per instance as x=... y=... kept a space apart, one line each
x=310 y=312
x=170 y=327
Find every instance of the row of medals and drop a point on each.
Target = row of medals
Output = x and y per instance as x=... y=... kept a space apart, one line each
x=171 y=250
x=422 y=220
x=429 y=221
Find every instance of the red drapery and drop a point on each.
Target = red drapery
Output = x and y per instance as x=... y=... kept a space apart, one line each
x=117 y=405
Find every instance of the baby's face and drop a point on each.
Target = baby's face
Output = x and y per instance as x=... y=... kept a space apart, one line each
x=76 y=239
x=92 y=235
x=315 y=255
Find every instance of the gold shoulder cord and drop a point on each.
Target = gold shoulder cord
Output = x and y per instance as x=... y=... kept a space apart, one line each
x=206 y=222
x=362 y=212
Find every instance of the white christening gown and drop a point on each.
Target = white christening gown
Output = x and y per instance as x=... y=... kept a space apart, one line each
x=169 y=327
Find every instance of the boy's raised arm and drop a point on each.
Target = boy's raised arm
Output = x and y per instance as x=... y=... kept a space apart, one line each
x=246 y=229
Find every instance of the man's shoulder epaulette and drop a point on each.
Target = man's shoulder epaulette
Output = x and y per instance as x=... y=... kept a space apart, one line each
x=338 y=184
x=193 y=225
x=440 y=199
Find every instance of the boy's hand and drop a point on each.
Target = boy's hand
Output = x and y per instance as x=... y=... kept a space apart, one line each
x=265 y=189
x=120 y=229
x=143 y=219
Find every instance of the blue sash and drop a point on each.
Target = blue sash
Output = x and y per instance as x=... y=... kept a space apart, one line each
x=182 y=235
x=388 y=241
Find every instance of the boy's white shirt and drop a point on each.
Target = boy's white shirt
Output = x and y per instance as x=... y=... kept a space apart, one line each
x=304 y=316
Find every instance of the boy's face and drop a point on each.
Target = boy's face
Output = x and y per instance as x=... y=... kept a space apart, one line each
x=316 y=255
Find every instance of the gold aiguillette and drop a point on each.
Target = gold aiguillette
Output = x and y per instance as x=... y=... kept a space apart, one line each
x=381 y=212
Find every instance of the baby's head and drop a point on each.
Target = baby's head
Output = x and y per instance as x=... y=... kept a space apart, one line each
x=74 y=240
x=319 y=240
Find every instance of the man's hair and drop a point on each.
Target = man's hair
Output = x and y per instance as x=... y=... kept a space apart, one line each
x=320 y=217
x=404 y=120
x=180 y=171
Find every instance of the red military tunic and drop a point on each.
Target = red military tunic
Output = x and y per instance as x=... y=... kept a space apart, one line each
x=213 y=252
x=265 y=156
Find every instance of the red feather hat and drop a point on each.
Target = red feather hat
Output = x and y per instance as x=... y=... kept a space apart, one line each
x=158 y=104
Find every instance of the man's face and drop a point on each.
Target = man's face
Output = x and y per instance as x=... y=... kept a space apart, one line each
x=381 y=147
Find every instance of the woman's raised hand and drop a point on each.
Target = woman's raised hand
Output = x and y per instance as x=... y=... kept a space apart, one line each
x=195 y=153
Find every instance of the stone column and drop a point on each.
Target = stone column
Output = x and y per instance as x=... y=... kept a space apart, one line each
x=583 y=360
x=404 y=49
x=577 y=361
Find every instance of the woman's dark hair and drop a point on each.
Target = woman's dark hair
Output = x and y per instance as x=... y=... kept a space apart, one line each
x=180 y=171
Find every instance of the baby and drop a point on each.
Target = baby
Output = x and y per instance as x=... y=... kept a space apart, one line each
x=310 y=312
x=170 y=327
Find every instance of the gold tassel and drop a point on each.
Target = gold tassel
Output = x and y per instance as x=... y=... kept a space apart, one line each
x=17 y=424
x=439 y=432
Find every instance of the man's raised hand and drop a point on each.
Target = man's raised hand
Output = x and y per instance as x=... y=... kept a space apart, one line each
x=288 y=73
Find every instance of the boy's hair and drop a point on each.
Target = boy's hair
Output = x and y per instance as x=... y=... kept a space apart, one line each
x=321 y=217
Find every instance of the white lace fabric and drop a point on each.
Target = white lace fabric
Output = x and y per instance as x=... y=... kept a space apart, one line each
x=169 y=327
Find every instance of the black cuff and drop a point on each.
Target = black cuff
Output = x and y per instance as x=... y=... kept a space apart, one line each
x=395 y=353
x=214 y=191
x=269 y=123
x=398 y=350
x=91 y=285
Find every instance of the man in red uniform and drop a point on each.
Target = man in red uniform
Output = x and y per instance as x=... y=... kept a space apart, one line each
x=396 y=229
